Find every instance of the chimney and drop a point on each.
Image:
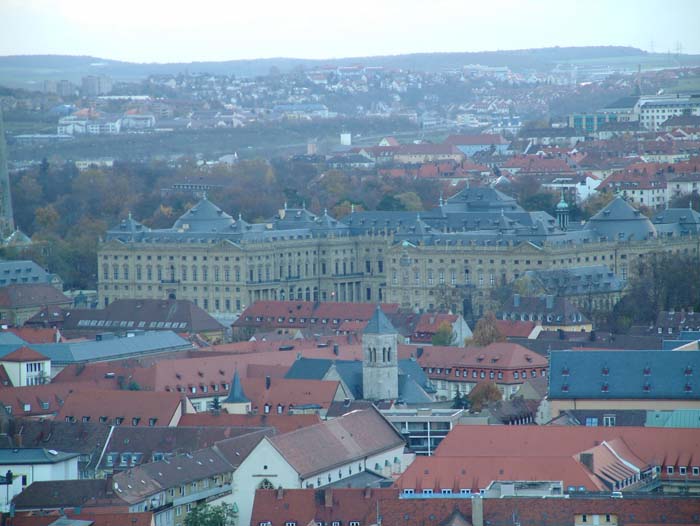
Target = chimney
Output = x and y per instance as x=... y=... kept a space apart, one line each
x=516 y=300
x=280 y=493
x=587 y=460
x=328 y=498
x=477 y=511
x=549 y=301
x=368 y=492
x=419 y=352
x=335 y=349
x=268 y=382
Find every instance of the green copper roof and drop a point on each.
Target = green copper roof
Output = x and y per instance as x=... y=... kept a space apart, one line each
x=236 y=394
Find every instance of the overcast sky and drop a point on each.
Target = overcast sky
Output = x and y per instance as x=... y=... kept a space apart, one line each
x=190 y=30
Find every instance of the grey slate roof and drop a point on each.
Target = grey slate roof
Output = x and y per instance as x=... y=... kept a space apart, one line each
x=413 y=384
x=31 y=455
x=620 y=221
x=481 y=216
x=24 y=271
x=637 y=375
x=107 y=349
x=379 y=324
x=576 y=280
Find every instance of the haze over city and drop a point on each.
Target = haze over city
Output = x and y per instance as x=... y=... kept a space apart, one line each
x=164 y=31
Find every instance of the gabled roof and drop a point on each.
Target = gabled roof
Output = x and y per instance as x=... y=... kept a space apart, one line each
x=23 y=354
x=67 y=493
x=356 y=435
x=136 y=408
x=475 y=473
x=281 y=423
x=28 y=455
x=31 y=295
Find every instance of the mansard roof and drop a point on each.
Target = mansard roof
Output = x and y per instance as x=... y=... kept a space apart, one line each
x=205 y=216
x=621 y=221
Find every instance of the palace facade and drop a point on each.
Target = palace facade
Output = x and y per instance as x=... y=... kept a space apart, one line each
x=446 y=258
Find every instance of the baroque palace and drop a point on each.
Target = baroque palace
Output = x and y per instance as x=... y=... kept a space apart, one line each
x=445 y=258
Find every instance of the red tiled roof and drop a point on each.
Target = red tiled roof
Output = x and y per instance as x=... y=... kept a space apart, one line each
x=23 y=354
x=129 y=405
x=515 y=329
x=308 y=506
x=99 y=519
x=430 y=323
x=355 y=435
x=36 y=335
x=495 y=355
x=37 y=400
x=475 y=473
x=287 y=391
x=31 y=295
x=652 y=445
x=282 y=423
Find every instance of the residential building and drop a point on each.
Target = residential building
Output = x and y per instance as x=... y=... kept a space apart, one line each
x=181 y=316
x=28 y=465
x=552 y=312
x=586 y=459
x=26 y=271
x=19 y=302
x=428 y=324
x=25 y=367
x=453 y=370
x=610 y=380
x=106 y=347
x=589 y=288
x=128 y=408
x=359 y=507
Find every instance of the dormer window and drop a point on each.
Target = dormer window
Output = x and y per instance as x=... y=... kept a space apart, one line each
x=565 y=371
x=688 y=388
x=647 y=371
x=604 y=388
x=605 y=371
x=565 y=388
x=688 y=370
x=646 y=387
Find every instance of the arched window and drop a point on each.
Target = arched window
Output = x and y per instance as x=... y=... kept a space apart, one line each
x=383 y=354
x=266 y=484
x=388 y=355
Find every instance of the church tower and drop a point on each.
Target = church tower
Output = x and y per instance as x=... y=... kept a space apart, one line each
x=380 y=361
x=7 y=223
x=563 y=213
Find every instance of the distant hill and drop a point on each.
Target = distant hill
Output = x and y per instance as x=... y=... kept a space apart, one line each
x=29 y=71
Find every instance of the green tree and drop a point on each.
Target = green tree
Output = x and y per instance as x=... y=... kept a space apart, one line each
x=486 y=332
x=460 y=401
x=443 y=336
x=206 y=515
x=483 y=394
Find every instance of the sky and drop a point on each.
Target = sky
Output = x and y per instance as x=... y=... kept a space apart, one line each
x=201 y=30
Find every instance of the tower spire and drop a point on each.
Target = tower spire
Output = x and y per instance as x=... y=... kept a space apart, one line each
x=7 y=222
